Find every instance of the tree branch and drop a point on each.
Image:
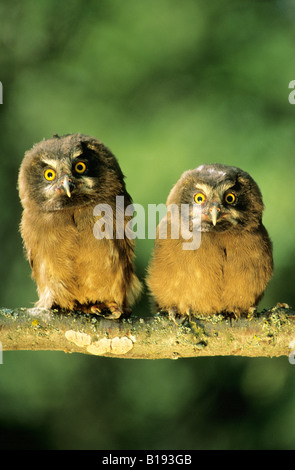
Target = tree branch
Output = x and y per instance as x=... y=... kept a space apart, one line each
x=268 y=333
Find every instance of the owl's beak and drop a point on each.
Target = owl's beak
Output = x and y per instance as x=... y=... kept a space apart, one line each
x=214 y=213
x=67 y=185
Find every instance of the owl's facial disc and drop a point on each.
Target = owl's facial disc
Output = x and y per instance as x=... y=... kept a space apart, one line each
x=217 y=206
x=68 y=184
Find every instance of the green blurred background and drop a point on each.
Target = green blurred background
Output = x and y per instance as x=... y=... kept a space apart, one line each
x=167 y=85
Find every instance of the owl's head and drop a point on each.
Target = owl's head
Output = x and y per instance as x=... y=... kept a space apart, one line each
x=228 y=197
x=69 y=171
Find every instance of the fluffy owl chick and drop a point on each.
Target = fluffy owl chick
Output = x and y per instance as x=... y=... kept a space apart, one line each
x=233 y=264
x=61 y=181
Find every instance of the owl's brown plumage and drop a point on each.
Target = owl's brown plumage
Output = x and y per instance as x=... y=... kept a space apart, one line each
x=61 y=181
x=230 y=270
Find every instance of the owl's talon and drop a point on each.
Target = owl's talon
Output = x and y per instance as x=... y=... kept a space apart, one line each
x=176 y=317
x=109 y=310
x=251 y=312
x=94 y=309
x=112 y=307
x=183 y=318
x=189 y=314
x=172 y=312
x=114 y=315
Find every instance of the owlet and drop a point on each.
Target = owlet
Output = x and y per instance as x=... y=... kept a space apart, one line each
x=229 y=269
x=61 y=182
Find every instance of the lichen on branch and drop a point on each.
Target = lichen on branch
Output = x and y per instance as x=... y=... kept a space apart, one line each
x=268 y=333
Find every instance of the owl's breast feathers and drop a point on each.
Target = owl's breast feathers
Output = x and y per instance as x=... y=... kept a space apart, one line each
x=227 y=273
x=71 y=266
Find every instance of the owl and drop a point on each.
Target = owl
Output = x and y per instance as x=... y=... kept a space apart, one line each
x=61 y=182
x=231 y=266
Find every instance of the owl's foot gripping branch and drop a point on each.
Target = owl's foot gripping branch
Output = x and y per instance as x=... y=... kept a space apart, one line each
x=270 y=333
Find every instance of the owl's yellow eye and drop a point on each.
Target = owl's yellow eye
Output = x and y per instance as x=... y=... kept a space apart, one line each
x=230 y=198
x=199 y=198
x=49 y=174
x=80 y=167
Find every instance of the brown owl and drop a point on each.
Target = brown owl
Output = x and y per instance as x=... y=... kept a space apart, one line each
x=61 y=181
x=233 y=264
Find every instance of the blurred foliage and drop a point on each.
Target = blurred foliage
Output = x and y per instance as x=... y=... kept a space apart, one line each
x=167 y=86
